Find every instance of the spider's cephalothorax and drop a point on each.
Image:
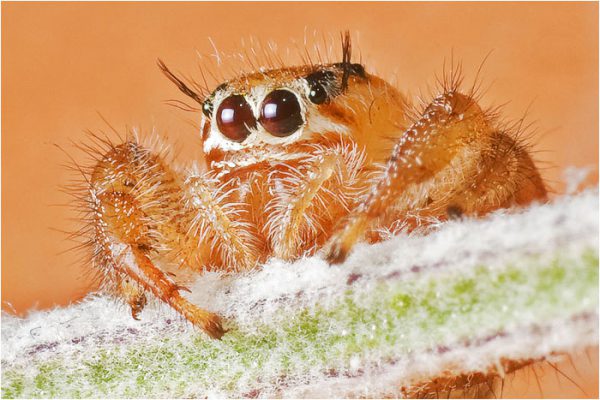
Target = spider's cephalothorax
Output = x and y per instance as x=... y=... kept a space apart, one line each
x=298 y=159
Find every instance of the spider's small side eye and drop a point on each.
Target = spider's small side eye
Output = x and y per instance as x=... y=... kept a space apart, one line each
x=317 y=82
x=281 y=114
x=317 y=94
x=207 y=108
x=235 y=118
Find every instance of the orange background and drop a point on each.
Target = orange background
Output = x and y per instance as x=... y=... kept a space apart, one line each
x=62 y=63
x=65 y=63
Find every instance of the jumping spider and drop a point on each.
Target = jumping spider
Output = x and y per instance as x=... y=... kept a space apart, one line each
x=299 y=160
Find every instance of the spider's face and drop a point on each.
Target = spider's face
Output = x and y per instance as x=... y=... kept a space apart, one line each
x=263 y=116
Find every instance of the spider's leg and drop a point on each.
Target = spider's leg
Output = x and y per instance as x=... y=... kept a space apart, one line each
x=312 y=198
x=219 y=228
x=136 y=204
x=285 y=228
x=503 y=176
x=447 y=154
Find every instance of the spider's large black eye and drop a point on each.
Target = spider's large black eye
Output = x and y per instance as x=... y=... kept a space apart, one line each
x=281 y=114
x=235 y=118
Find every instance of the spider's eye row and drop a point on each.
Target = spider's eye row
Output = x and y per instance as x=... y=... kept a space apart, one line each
x=235 y=118
x=280 y=113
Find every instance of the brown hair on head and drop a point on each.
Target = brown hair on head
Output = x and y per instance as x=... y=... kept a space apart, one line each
x=346 y=57
x=347 y=67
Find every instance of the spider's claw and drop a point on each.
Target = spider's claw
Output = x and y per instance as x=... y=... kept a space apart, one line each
x=341 y=243
x=336 y=253
x=137 y=305
x=213 y=327
x=209 y=322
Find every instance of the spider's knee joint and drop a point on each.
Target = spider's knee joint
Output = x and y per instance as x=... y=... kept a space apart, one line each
x=455 y=104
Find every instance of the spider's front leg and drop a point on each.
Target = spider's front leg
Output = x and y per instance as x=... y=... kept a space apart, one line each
x=450 y=160
x=141 y=229
x=312 y=197
x=293 y=214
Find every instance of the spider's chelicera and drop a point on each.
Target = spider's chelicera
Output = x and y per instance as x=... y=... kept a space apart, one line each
x=299 y=161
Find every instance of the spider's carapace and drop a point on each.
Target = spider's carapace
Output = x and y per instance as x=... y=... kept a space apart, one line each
x=299 y=160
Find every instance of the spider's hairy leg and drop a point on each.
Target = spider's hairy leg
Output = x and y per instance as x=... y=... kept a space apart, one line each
x=450 y=154
x=136 y=203
x=500 y=174
x=218 y=221
x=285 y=243
x=504 y=176
x=294 y=214
x=313 y=197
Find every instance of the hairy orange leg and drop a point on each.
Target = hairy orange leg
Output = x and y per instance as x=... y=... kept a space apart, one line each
x=312 y=200
x=218 y=220
x=126 y=246
x=504 y=176
x=450 y=155
x=295 y=215
x=140 y=210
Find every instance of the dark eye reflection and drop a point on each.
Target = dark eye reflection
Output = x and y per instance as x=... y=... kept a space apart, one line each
x=280 y=113
x=235 y=118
